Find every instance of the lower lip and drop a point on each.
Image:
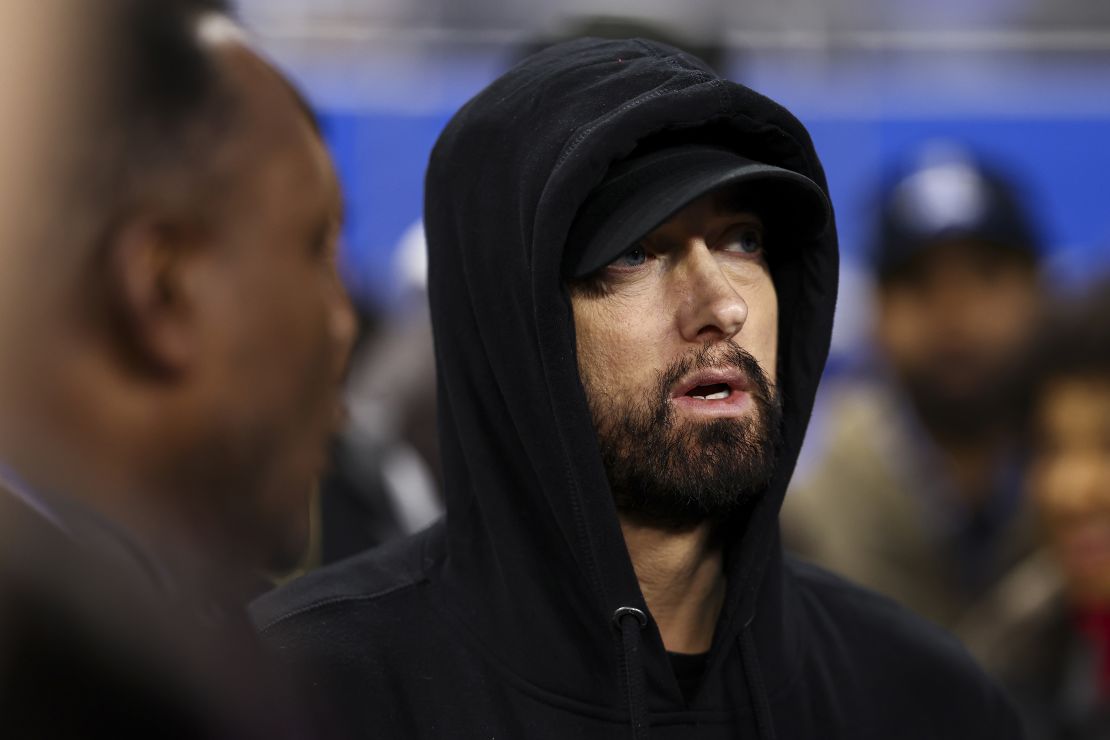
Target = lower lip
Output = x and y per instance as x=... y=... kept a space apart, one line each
x=736 y=404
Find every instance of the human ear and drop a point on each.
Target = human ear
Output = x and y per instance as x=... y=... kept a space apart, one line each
x=147 y=268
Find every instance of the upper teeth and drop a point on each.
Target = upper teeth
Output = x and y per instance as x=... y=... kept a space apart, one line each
x=713 y=396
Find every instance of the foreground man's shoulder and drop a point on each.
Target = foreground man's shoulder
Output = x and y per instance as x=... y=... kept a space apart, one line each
x=372 y=577
x=908 y=669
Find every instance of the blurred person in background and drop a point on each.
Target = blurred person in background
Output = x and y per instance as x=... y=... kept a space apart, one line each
x=631 y=318
x=1046 y=630
x=917 y=490
x=170 y=384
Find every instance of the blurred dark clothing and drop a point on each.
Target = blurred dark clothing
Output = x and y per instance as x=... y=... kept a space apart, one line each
x=382 y=482
x=355 y=509
x=876 y=507
x=97 y=640
x=1051 y=658
x=373 y=493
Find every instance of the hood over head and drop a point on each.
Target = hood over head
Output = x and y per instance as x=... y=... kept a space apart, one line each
x=536 y=564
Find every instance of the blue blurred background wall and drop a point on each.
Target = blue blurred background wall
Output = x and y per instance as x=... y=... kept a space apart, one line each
x=1025 y=83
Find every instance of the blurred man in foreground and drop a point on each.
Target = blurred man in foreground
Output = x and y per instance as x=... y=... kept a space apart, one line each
x=34 y=35
x=171 y=382
x=917 y=492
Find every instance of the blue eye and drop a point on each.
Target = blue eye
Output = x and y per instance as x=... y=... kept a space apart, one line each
x=746 y=241
x=633 y=257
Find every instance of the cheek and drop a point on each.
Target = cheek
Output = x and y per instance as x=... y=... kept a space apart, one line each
x=614 y=340
x=277 y=351
x=280 y=327
x=1048 y=485
x=1005 y=320
x=1071 y=495
x=900 y=328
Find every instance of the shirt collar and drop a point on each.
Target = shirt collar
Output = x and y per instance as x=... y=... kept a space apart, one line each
x=16 y=486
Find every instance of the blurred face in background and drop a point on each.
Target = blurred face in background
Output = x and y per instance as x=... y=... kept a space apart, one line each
x=1070 y=481
x=276 y=324
x=952 y=325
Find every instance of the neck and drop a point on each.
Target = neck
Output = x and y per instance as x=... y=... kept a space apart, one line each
x=681 y=575
x=74 y=426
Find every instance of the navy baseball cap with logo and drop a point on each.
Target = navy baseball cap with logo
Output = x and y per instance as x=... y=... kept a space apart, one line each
x=949 y=195
x=642 y=192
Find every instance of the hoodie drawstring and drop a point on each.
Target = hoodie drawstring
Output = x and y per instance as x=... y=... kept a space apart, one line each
x=630 y=621
x=764 y=724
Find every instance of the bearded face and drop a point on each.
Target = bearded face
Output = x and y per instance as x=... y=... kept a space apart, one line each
x=676 y=339
x=677 y=472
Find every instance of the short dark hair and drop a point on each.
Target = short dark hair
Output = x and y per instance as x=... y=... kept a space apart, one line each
x=149 y=110
x=1074 y=340
x=167 y=99
x=166 y=92
x=151 y=101
x=162 y=74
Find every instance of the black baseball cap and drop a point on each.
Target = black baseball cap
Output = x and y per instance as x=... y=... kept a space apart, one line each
x=642 y=192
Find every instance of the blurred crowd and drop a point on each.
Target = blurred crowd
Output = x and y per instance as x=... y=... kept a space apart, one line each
x=950 y=471
x=164 y=396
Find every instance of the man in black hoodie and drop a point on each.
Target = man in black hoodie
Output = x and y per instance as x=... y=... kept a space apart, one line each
x=619 y=418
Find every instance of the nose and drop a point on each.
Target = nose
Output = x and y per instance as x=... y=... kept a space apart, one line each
x=711 y=309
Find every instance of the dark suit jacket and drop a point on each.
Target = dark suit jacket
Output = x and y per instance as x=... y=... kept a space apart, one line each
x=95 y=643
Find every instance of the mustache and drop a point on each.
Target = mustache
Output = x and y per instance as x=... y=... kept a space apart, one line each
x=675 y=475
x=715 y=355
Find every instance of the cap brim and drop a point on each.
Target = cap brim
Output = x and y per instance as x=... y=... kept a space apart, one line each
x=641 y=194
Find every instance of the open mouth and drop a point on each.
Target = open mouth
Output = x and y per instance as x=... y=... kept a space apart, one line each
x=711 y=392
x=719 y=392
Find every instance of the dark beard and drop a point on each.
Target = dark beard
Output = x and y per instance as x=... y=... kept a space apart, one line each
x=677 y=476
x=977 y=413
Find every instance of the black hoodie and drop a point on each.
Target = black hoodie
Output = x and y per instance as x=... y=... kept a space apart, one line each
x=500 y=622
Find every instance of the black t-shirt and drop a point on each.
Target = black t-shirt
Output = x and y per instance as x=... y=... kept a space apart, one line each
x=688 y=669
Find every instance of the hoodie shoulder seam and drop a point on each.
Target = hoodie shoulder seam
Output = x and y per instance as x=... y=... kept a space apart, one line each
x=332 y=600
